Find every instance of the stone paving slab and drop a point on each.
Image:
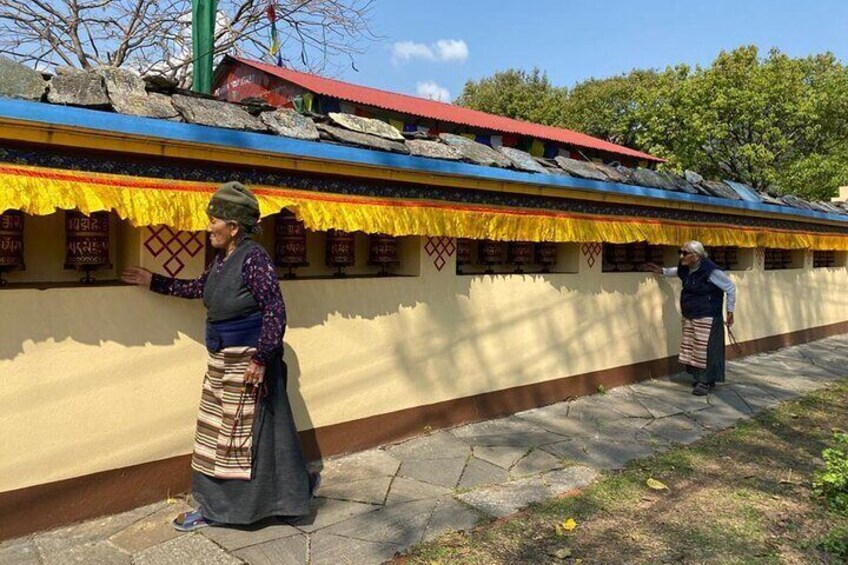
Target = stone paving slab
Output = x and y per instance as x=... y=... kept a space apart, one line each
x=535 y=463
x=726 y=408
x=377 y=503
x=510 y=431
x=565 y=480
x=441 y=445
x=441 y=472
x=326 y=512
x=504 y=456
x=19 y=552
x=151 y=530
x=233 y=538
x=370 y=464
x=372 y=491
x=667 y=400
x=677 y=429
x=328 y=549
x=565 y=427
x=601 y=453
x=449 y=515
x=479 y=472
x=56 y=542
x=94 y=553
x=402 y=524
x=503 y=500
x=193 y=549
x=407 y=490
x=291 y=550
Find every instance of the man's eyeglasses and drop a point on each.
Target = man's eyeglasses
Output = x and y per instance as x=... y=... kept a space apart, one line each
x=685 y=252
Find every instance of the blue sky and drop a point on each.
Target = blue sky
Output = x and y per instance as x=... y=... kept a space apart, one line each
x=433 y=46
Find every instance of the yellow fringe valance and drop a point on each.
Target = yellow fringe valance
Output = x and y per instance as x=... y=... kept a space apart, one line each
x=182 y=205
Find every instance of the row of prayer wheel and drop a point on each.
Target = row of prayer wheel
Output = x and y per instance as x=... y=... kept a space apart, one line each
x=517 y=253
x=340 y=249
x=86 y=242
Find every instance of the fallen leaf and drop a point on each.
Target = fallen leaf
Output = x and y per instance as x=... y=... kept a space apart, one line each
x=654 y=484
x=568 y=525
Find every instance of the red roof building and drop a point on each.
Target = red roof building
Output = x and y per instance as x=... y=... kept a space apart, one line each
x=239 y=79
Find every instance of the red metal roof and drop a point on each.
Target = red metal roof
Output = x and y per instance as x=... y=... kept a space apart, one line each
x=440 y=111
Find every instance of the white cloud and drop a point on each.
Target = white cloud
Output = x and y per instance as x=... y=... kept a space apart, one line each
x=407 y=50
x=443 y=50
x=429 y=89
x=452 y=50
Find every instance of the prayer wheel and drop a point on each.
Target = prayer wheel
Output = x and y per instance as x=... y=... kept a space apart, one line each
x=383 y=252
x=656 y=254
x=340 y=251
x=289 y=243
x=489 y=253
x=87 y=242
x=546 y=255
x=520 y=253
x=464 y=253
x=11 y=242
x=639 y=252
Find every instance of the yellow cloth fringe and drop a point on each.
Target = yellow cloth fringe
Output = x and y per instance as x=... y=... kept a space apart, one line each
x=182 y=205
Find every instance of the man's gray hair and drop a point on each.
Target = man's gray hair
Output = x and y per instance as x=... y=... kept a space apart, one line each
x=697 y=248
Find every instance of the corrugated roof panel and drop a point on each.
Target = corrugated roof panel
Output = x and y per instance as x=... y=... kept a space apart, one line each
x=441 y=111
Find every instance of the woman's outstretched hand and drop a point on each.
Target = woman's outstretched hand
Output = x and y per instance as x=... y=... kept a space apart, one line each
x=137 y=275
x=652 y=267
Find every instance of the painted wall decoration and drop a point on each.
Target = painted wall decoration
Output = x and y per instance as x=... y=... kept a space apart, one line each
x=591 y=251
x=174 y=247
x=440 y=249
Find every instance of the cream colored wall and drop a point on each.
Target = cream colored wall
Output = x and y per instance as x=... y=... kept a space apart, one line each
x=102 y=378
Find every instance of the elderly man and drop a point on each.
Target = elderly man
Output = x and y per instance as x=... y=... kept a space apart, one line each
x=701 y=299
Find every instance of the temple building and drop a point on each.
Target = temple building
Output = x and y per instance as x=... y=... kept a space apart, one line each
x=439 y=266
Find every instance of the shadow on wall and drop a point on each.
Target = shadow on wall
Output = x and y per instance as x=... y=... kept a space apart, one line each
x=511 y=329
x=128 y=316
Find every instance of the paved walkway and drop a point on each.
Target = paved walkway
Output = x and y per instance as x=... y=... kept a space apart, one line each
x=379 y=502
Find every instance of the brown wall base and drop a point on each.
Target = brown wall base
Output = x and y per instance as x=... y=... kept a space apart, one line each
x=51 y=505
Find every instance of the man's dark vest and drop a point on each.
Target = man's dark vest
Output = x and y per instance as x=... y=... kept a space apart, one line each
x=225 y=295
x=700 y=298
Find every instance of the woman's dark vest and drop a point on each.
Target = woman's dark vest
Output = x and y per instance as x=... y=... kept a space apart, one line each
x=700 y=298
x=232 y=314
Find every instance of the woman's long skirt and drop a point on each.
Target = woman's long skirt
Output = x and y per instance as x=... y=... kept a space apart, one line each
x=279 y=481
x=702 y=349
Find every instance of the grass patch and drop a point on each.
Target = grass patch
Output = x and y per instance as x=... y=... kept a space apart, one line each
x=744 y=495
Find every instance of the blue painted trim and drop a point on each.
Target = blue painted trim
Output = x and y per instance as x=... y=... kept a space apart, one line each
x=165 y=131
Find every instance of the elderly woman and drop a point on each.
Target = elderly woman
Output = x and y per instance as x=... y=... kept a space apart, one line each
x=701 y=299
x=247 y=462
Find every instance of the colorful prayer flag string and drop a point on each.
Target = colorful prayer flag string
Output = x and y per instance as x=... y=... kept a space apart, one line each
x=275 y=38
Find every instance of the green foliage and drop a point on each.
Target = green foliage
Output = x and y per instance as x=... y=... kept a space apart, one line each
x=835 y=542
x=773 y=122
x=831 y=483
x=769 y=122
x=609 y=108
x=516 y=94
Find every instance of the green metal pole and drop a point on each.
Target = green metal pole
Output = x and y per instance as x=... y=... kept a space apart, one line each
x=203 y=43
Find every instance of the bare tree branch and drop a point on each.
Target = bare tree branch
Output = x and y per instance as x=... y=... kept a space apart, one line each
x=155 y=35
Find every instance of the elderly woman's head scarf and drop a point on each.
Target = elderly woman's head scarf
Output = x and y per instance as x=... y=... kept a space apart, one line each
x=233 y=202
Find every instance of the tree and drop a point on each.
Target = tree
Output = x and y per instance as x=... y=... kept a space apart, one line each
x=155 y=35
x=772 y=122
x=775 y=122
x=516 y=94
x=609 y=108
